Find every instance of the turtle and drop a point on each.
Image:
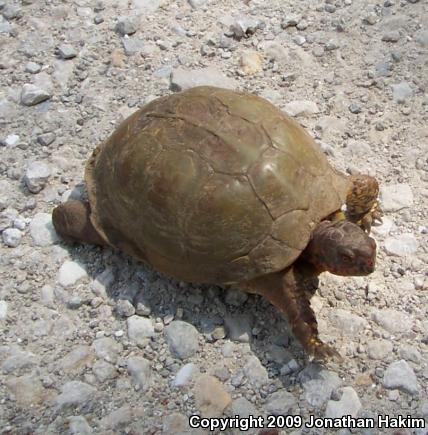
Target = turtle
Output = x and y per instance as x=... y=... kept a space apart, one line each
x=217 y=186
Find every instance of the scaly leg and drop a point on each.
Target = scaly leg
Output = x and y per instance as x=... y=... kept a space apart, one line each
x=287 y=292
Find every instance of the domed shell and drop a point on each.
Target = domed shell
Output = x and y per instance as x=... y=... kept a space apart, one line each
x=211 y=185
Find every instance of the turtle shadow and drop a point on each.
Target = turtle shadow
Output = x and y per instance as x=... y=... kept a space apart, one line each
x=223 y=316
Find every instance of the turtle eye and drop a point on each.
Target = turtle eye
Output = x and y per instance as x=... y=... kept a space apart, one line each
x=347 y=256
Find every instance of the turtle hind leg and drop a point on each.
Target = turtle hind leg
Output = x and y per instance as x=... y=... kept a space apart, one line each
x=286 y=291
x=362 y=206
x=72 y=222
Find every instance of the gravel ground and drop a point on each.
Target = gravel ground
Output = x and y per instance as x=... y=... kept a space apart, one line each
x=92 y=341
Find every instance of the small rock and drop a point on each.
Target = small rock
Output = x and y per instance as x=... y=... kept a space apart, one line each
x=195 y=4
x=124 y=308
x=290 y=21
x=355 y=108
x=401 y=91
x=36 y=176
x=408 y=352
x=139 y=329
x=79 y=426
x=11 y=237
x=70 y=273
x=301 y=108
x=395 y=197
x=350 y=324
x=422 y=38
x=104 y=371
x=140 y=371
x=107 y=348
x=127 y=25
x=402 y=245
x=238 y=327
x=210 y=396
x=3 y=310
x=46 y=139
x=379 y=349
x=182 y=79
x=251 y=62
x=399 y=375
x=182 y=339
x=42 y=230
x=12 y=140
x=392 y=321
x=117 y=418
x=32 y=95
x=75 y=361
x=185 y=375
x=318 y=391
x=18 y=360
x=27 y=390
x=241 y=407
x=280 y=403
x=66 y=51
x=244 y=26
x=391 y=36
x=131 y=46
x=75 y=393
x=349 y=404
x=256 y=374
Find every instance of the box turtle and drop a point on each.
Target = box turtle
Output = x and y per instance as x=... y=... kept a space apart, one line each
x=216 y=186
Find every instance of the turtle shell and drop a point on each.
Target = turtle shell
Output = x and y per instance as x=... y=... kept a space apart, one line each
x=211 y=185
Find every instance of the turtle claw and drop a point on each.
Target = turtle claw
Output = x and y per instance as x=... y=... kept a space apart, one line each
x=323 y=352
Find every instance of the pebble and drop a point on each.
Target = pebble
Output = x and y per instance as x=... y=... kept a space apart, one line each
x=256 y=374
x=3 y=310
x=392 y=321
x=42 y=230
x=117 y=418
x=410 y=353
x=401 y=92
x=185 y=375
x=46 y=139
x=36 y=176
x=140 y=371
x=127 y=25
x=70 y=273
x=11 y=237
x=124 y=308
x=182 y=339
x=75 y=361
x=301 y=108
x=101 y=282
x=32 y=95
x=349 y=404
x=280 y=403
x=290 y=21
x=422 y=37
x=211 y=398
x=195 y=4
x=251 y=62
x=78 y=425
x=355 y=108
x=107 y=349
x=238 y=327
x=395 y=197
x=66 y=51
x=318 y=391
x=401 y=245
x=27 y=390
x=18 y=359
x=139 y=329
x=131 y=46
x=12 y=140
x=242 y=407
x=75 y=393
x=5 y=26
x=379 y=349
x=391 y=36
x=182 y=79
x=104 y=371
x=244 y=26
x=399 y=375
x=348 y=323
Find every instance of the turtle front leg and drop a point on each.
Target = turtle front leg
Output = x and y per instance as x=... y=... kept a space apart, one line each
x=362 y=205
x=289 y=293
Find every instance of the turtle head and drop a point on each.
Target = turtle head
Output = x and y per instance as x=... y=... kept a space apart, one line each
x=341 y=248
x=72 y=222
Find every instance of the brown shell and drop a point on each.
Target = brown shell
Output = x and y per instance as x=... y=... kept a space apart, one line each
x=211 y=185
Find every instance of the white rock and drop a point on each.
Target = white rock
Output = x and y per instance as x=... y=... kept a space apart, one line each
x=394 y=197
x=139 y=329
x=301 y=108
x=402 y=245
x=256 y=374
x=11 y=237
x=392 y=321
x=12 y=140
x=75 y=393
x=70 y=273
x=182 y=339
x=32 y=95
x=185 y=375
x=401 y=376
x=3 y=310
x=349 y=404
x=401 y=91
x=42 y=230
x=140 y=371
x=36 y=176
